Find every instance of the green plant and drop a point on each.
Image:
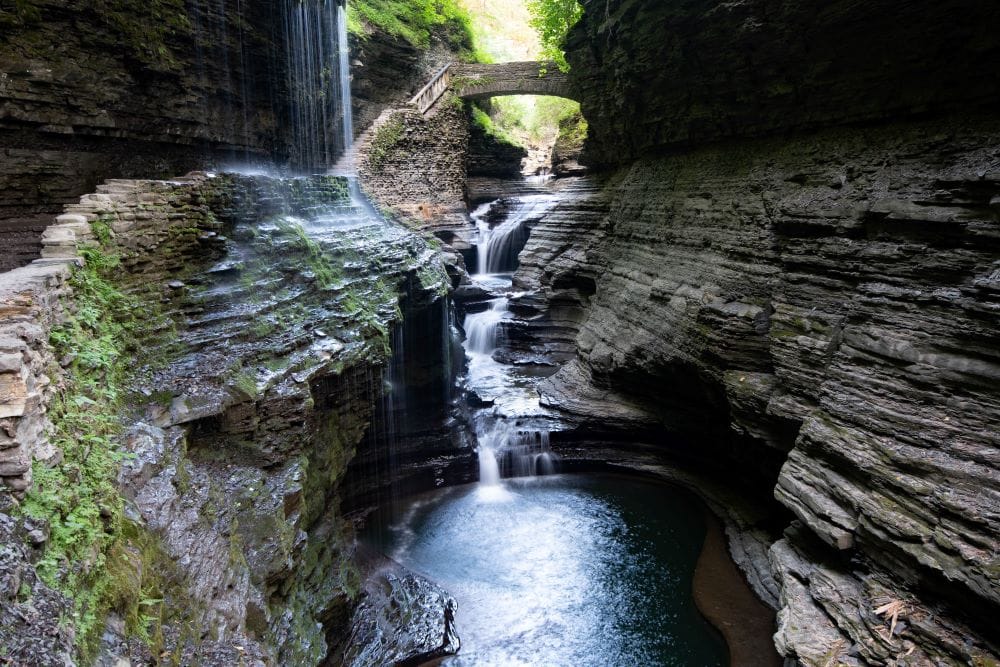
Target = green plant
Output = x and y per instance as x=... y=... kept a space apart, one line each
x=78 y=498
x=553 y=20
x=386 y=138
x=314 y=257
x=483 y=121
x=413 y=20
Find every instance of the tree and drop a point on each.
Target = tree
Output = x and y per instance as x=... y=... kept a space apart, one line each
x=553 y=19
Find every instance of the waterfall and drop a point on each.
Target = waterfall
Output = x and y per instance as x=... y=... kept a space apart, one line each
x=508 y=446
x=318 y=82
x=482 y=329
x=497 y=248
x=344 y=71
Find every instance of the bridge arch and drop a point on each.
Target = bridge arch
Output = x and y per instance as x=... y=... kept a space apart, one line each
x=481 y=81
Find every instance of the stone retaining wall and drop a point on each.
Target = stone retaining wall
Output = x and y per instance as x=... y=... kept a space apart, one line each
x=31 y=304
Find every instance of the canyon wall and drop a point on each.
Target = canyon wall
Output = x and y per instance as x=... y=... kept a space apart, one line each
x=95 y=90
x=234 y=367
x=98 y=89
x=655 y=75
x=793 y=278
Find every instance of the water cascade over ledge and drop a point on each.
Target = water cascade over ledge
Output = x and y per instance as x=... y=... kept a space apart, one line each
x=513 y=439
x=318 y=83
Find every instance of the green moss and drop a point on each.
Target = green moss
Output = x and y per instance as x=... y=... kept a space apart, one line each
x=79 y=498
x=325 y=272
x=145 y=27
x=460 y=82
x=384 y=142
x=16 y=14
x=413 y=20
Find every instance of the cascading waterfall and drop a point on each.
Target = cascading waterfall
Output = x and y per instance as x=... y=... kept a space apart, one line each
x=344 y=71
x=508 y=447
x=318 y=82
x=497 y=247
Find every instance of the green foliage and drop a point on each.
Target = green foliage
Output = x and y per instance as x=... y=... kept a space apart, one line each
x=78 y=498
x=314 y=257
x=572 y=130
x=413 y=20
x=553 y=20
x=531 y=119
x=501 y=30
x=483 y=121
x=384 y=141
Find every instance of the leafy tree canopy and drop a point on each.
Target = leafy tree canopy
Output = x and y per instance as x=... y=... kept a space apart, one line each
x=553 y=19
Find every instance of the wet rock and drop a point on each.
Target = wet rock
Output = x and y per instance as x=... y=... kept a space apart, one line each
x=32 y=627
x=762 y=70
x=803 y=320
x=400 y=620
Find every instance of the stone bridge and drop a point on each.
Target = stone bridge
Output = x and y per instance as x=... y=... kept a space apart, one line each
x=479 y=81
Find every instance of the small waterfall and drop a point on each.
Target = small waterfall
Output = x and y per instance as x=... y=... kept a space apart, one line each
x=489 y=469
x=344 y=71
x=318 y=82
x=507 y=448
x=497 y=248
x=483 y=240
x=482 y=329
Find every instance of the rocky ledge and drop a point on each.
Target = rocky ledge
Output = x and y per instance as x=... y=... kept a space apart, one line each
x=821 y=317
x=260 y=317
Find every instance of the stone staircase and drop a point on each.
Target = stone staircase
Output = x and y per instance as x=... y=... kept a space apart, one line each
x=347 y=164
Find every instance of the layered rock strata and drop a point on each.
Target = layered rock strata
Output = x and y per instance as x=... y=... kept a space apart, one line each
x=650 y=75
x=760 y=288
x=96 y=90
x=261 y=366
x=809 y=313
x=415 y=164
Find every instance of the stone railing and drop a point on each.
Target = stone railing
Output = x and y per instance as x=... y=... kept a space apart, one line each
x=434 y=89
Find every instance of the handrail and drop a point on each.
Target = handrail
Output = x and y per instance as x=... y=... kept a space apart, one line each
x=430 y=93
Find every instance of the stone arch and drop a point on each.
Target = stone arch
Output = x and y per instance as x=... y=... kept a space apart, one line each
x=480 y=81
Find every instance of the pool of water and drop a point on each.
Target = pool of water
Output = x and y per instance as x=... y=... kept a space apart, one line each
x=563 y=570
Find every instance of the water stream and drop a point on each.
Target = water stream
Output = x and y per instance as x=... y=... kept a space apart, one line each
x=511 y=432
x=547 y=569
x=565 y=570
x=318 y=82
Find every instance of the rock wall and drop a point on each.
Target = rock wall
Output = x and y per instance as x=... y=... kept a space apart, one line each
x=652 y=75
x=813 y=314
x=30 y=305
x=415 y=164
x=830 y=298
x=259 y=365
x=97 y=90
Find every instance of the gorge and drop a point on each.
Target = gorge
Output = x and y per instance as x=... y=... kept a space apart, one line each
x=298 y=368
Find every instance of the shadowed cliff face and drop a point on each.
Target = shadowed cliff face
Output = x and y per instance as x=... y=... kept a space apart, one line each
x=260 y=356
x=823 y=302
x=94 y=90
x=97 y=89
x=658 y=74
